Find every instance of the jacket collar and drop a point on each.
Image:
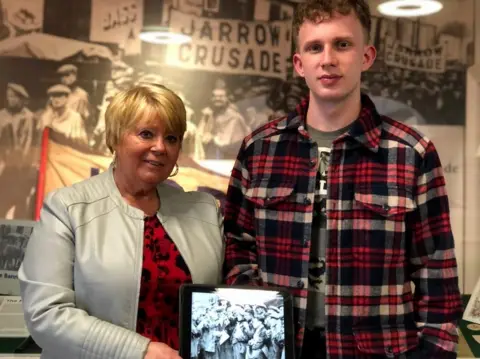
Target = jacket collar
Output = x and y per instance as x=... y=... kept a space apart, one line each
x=366 y=129
x=164 y=193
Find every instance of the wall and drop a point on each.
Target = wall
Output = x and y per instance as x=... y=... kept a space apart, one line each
x=471 y=244
x=236 y=73
x=448 y=125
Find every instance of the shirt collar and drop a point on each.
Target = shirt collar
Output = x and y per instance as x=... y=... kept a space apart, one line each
x=366 y=129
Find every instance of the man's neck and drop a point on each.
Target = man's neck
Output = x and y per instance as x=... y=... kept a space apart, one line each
x=331 y=116
x=220 y=109
x=14 y=110
x=60 y=110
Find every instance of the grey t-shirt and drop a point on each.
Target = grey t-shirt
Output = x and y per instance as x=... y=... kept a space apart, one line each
x=316 y=273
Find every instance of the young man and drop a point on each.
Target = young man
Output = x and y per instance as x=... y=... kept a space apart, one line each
x=346 y=208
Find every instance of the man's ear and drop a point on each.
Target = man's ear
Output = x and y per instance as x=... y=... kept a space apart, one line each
x=297 y=64
x=369 y=55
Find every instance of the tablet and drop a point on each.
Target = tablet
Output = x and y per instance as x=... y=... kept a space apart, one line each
x=235 y=322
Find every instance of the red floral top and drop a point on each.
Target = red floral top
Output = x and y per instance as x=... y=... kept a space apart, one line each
x=163 y=271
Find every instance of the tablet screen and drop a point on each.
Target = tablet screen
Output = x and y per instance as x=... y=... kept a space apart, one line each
x=228 y=323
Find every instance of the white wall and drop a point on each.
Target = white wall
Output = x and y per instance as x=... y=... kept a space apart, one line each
x=468 y=250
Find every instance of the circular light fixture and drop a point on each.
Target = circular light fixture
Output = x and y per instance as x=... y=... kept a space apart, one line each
x=163 y=36
x=409 y=8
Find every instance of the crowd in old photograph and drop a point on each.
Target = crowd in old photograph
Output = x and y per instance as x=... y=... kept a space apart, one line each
x=12 y=246
x=225 y=330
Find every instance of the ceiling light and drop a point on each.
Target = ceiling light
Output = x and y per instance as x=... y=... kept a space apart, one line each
x=160 y=35
x=409 y=8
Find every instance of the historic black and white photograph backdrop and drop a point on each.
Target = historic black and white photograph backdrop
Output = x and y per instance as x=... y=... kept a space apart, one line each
x=233 y=76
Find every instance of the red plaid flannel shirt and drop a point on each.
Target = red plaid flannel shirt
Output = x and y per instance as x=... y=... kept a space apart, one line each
x=388 y=226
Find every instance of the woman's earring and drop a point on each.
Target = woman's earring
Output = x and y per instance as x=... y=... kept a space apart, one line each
x=175 y=172
x=114 y=160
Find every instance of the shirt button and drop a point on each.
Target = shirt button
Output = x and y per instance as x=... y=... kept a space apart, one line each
x=313 y=163
x=300 y=284
x=389 y=352
x=386 y=207
x=307 y=201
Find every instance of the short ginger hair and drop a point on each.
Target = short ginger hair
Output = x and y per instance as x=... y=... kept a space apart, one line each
x=317 y=10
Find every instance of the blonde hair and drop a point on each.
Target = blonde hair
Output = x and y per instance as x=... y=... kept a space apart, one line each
x=129 y=107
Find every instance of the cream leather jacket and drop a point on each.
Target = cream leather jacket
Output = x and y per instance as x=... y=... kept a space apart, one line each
x=80 y=278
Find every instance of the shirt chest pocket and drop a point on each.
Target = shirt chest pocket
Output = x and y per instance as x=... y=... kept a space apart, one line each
x=268 y=194
x=379 y=223
x=274 y=206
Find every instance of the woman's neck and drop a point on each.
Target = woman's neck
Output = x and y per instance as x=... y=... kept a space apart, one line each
x=143 y=197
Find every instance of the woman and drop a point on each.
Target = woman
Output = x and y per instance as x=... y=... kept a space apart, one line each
x=103 y=266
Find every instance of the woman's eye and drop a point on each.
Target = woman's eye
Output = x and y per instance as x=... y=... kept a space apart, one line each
x=172 y=139
x=146 y=134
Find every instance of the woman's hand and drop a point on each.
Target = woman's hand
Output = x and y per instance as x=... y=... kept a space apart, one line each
x=157 y=350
